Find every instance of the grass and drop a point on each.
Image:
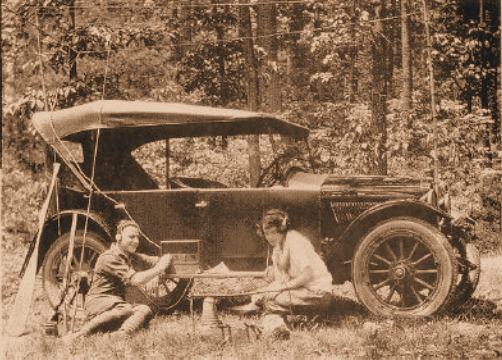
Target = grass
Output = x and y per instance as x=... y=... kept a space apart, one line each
x=346 y=332
x=175 y=338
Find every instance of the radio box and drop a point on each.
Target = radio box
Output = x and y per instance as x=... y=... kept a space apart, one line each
x=185 y=255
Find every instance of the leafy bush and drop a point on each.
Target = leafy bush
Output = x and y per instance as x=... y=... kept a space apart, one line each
x=22 y=195
x=490 y=194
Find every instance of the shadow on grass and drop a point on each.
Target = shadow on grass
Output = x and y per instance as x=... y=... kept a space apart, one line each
x=343 y=309
x=340 y=309
x=222 y=304
x=475 y=309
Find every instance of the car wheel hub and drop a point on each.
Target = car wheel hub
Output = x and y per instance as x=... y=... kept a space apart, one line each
x=400 y=272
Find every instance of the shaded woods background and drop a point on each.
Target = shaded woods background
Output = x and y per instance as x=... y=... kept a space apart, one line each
x=354 y=72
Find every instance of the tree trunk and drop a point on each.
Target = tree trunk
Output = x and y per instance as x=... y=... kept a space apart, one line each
x=184 y=25
x=379 y=96
x=253 y=100
x=298 y=52
x=220 y=30
x=485 y=89
x=352 y=87
x=396 y=34
x=268 y=14
x=406 y=58
x=389 y=56
x=9 y=79
x=73 y=54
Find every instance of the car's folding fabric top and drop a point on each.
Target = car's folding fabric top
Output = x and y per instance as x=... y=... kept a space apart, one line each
x=153 y=119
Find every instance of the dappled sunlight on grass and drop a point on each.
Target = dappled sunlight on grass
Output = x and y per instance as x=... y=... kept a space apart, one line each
x=346 y=331
x=350 y=336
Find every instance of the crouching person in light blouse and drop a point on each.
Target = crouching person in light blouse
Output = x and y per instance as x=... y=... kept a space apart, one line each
x=301 y=278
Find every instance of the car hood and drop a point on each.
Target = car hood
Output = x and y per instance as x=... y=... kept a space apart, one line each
x=375 y=186
x=361 y=186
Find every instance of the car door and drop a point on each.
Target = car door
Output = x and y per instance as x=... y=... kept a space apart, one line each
x=228 y=220
x=164 y=215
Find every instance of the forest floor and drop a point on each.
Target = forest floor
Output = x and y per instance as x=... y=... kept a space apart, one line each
x=346 y=332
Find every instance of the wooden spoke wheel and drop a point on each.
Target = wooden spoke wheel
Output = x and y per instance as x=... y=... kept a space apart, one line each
x=404 y=267
x=161 y=294
x=53 y=268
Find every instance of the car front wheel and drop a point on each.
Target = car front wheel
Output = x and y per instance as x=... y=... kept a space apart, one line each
x=404 y=267
x=468 y=259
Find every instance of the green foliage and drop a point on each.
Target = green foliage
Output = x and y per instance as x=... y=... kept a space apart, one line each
x=161 y=51
x=22 y=195
x=468 y=54
x=19 y=135
x=215 y=69
x=228 y=164
x=338 y=38
x=214 y=64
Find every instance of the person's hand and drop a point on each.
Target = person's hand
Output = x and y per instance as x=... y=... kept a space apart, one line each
x=163 y=263
x=275 y=286
x=270 y=273
x=273 y=290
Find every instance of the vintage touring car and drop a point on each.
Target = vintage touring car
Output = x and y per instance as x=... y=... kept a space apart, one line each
x=392 y=237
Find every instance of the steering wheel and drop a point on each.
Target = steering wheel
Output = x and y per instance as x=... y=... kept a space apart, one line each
x=270 y=175
x=278 y=170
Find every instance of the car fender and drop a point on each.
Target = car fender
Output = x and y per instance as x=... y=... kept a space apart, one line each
x=365 y=221
x=62 y=220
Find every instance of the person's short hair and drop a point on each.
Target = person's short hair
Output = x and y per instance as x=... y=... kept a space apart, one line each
x=275 y=218
x=124 y=224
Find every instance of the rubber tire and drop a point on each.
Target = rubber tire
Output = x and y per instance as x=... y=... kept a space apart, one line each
x=176 y=296
x=467 y=282
x=429 y=236
x=164 y=304
x=93 y=241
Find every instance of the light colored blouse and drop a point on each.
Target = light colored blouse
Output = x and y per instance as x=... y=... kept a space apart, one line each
x=295 y=255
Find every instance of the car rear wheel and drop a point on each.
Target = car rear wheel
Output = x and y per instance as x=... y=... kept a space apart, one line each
x=161 y=294
x=404 y=267
x=54 y=264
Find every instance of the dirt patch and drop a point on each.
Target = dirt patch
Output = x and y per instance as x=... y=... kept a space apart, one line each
x=490 y=281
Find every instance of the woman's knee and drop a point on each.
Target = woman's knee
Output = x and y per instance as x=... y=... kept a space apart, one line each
x=283 y=299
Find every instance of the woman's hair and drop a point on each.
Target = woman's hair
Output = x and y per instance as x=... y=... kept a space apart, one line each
x=125 y=223
x=275 y=218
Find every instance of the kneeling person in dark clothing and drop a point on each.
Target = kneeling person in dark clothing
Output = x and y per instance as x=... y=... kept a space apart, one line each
x=105 y=302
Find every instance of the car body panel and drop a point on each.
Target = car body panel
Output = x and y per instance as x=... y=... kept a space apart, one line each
x=376 y=187
x=332 y=211
x=223 y=220
x=162 y=215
